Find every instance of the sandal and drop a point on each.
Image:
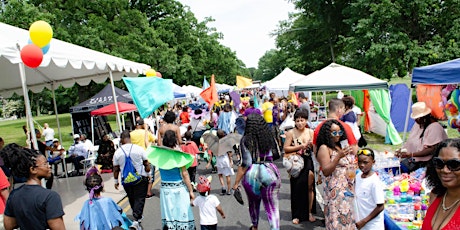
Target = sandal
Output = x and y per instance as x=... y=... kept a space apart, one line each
x=311 y=218
x=238 y=197
x=295 y=221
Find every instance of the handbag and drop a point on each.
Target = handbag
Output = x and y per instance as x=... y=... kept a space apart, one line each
x=294 y=164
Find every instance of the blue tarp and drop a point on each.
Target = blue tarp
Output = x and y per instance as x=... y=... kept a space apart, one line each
x=400 y=94
x=438 y=74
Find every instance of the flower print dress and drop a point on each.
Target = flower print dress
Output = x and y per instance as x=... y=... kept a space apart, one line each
x=338 y=196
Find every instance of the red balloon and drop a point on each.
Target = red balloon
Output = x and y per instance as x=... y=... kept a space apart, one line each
x=31 y=55
x=158 y=74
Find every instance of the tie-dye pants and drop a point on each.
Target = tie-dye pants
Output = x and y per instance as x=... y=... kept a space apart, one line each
x=262 y=183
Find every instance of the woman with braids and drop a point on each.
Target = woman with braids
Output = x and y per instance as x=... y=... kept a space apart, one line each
x=443 y=175
x=31 y=206
x=100 y=212
x=423 y=139
x=338 y=169
x=299 y=141
x=260 y=176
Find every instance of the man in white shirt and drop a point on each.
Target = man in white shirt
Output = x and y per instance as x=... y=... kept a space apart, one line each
x=136 y=193
x=88 y=143
x=48 y=133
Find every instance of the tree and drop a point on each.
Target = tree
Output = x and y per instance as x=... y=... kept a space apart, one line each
x=160 y=33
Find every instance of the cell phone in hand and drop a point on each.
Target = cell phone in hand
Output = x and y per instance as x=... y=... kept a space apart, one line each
x=344 y=143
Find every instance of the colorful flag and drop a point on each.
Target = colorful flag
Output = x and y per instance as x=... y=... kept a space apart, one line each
x=149 y=93
x=210 y=94
x=205 y=83
x=243 y=82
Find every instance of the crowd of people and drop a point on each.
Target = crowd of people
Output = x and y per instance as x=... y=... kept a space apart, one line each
x=271 y=127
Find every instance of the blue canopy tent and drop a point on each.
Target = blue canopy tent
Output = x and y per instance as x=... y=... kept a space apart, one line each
x=438 y=74
x=443 y=73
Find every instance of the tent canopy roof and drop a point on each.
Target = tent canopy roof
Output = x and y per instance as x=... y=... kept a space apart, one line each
x=440 y=74
x=101 y=99
x=283 y=80
x=338 y=77
x=110 y=109
x=65 y=64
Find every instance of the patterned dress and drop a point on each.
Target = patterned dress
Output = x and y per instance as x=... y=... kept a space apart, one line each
x=338 y=196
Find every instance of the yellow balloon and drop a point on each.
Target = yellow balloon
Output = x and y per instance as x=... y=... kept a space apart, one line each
x=40 y=33
x=150 y=73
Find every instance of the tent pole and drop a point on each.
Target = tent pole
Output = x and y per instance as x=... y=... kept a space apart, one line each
x=123 y=121
x=115 y=101
x=92 y=129
x=409 y=100
x=56 y=112
x=27 y=105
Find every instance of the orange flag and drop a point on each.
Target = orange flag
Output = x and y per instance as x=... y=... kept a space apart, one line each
x=210 y=94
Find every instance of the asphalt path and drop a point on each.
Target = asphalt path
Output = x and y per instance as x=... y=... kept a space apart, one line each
x=237 y=216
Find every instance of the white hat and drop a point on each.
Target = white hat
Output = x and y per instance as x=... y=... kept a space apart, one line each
x=76 y=136
x=419 y=109
x=55 y=140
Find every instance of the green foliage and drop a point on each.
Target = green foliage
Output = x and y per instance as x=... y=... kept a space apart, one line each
x=385 y=38
x=160 y=33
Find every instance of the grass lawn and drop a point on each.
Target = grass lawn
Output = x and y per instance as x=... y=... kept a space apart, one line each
x=11 y=131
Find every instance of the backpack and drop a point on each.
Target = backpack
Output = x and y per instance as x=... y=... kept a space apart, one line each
x=129 y=176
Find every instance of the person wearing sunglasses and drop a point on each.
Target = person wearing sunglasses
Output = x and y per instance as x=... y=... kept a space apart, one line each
x=443 y=175
x=423 y=139
x=336 y=108
x=369 y=193
x=338 y=168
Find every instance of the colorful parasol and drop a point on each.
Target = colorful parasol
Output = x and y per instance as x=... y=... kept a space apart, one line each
x=167 y=158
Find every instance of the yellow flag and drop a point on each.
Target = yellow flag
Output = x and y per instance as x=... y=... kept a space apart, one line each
x=243 y=82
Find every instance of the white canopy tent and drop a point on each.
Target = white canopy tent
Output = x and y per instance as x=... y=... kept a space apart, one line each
x=280 y=84
x=192 y=90
x=65 y=64
x=338 y=77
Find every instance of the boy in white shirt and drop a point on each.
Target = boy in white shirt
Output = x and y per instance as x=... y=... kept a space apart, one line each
x=208 y=204
x=369 y=193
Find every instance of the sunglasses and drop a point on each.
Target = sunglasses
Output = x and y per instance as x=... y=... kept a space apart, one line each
x=337 y=133
x=452 y=165
x=365 y=152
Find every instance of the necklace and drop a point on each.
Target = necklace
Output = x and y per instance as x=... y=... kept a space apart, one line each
x=444 y=201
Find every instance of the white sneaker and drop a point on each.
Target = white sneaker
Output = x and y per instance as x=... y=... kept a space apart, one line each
x=135 y=226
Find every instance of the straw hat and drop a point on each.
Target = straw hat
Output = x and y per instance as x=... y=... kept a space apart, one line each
x=419 y=109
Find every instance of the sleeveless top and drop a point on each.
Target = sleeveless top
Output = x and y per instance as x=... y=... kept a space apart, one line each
x=453 y=223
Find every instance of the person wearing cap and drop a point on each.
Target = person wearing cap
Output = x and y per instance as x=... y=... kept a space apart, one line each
x=56 y=157
x=208 y=204
x=423 y=139
x=77 y=152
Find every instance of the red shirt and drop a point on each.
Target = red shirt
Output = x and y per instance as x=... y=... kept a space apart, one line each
x=191 y=148
x=348 y=131
x=453 y=223
x=4 y=184
x=184 y=118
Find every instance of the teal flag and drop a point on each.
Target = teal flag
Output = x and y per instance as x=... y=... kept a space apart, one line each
x=149 y=93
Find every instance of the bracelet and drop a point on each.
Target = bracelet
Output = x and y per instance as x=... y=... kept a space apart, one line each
x=116 y=181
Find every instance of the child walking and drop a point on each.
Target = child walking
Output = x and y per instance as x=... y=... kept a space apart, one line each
x=369 y=193
x=224 y=164
x=191 y=148
x=208 y=204
x=100 y=212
